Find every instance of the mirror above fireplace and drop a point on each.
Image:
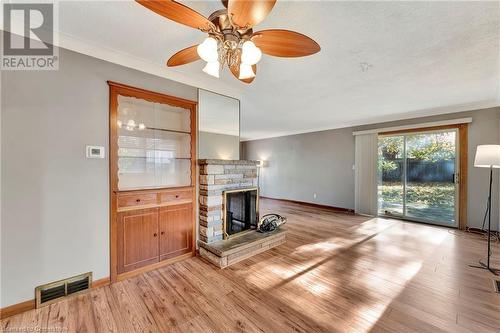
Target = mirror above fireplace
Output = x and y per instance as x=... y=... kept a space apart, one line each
x=219 y=126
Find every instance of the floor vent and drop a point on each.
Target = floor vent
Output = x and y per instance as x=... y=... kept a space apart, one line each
x=496 y=284
x=51 y=292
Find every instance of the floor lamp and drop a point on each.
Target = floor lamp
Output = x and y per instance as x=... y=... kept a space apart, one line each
x=488 y=156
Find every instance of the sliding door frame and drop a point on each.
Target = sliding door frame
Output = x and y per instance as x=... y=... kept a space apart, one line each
x=463 y=144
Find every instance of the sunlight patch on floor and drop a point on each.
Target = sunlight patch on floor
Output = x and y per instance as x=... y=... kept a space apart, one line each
x=326 y=246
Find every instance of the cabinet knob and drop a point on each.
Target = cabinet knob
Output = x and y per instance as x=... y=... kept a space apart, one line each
x=176 y=195
x=162 y=233
x=138 y=200
x=155 y=234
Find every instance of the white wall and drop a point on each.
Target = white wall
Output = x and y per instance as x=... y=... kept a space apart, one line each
x=55 y=202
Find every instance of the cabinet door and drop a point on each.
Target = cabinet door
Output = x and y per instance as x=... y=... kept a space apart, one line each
x=176 y=230
x=137 y=239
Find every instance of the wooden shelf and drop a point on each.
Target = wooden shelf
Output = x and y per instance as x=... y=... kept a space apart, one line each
x=155 y=225
x=157 y=158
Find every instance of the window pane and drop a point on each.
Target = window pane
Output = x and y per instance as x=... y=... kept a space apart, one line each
x=430 y=176
x=391 y=175
x=173 y=172
x=154 y=145
x=153 y=115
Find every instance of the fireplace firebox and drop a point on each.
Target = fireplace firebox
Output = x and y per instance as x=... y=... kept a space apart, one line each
x=241 y=211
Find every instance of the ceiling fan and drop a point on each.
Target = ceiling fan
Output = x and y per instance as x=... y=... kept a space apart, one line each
x=231 y=39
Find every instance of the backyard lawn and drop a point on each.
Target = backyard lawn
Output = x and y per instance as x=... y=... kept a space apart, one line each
x=431 y=201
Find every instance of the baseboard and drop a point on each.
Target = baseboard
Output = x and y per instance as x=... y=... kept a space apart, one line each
x=310 y=204
x=18 y=308
x=101 y=282
x=14 y=309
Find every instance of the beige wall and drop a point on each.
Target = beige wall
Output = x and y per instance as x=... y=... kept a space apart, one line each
x=321 y=162
x=313 y=167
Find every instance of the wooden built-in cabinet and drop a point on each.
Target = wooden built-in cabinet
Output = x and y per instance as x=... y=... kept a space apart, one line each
x=138 y=239
x=176 y=237
x=149 y=235
x=152 y=179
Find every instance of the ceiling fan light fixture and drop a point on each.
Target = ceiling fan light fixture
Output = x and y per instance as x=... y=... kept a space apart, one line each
x=208 y=50
x=246 y=72
x=212 y=68
x=250 y=54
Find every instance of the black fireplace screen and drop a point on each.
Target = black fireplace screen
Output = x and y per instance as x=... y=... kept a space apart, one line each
x=241 y=211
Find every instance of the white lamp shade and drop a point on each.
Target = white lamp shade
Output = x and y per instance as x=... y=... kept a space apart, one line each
x=208 y=50
x=250 y=54
x=246 y=72
x=212 y=68
x=487 y=156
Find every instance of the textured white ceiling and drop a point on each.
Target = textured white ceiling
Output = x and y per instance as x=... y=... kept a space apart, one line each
x=379 y=60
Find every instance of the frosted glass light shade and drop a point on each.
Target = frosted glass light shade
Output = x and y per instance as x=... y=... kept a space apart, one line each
x=208 y=50
x=212 y=68
x=487 y=156
x=246 y=72
x=250 y=54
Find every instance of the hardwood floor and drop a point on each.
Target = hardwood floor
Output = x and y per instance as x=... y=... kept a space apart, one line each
x=336 y=273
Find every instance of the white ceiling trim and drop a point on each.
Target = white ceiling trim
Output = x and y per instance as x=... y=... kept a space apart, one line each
x=422 y=125
x=395 y=117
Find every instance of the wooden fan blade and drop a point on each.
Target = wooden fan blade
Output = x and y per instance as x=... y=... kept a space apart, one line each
x=236 y=73
x=247 y=13
x=185 y=56
x=179 y=13
x=284 y=43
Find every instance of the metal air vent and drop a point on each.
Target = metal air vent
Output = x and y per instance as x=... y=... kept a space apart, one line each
x=51 y=292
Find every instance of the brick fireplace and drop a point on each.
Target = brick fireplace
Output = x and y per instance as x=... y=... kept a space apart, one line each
x=216 y=178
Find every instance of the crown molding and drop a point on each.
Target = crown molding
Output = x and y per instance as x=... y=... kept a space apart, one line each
x=75 y=44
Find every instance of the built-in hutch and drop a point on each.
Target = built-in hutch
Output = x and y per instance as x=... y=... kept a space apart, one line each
x=152 y=179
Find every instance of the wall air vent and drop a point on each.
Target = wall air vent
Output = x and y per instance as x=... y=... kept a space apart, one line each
x=51 y=292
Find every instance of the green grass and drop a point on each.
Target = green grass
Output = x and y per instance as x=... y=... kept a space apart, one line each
x=430 y=194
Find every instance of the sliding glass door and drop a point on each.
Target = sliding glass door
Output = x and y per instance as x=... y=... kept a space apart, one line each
x=417 y=176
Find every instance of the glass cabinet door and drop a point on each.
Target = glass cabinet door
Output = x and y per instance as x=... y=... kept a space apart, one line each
x=154 y=144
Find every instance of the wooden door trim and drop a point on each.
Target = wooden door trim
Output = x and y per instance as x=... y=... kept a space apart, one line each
x=463 y=142
x=463 y=150
x=116 y=89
